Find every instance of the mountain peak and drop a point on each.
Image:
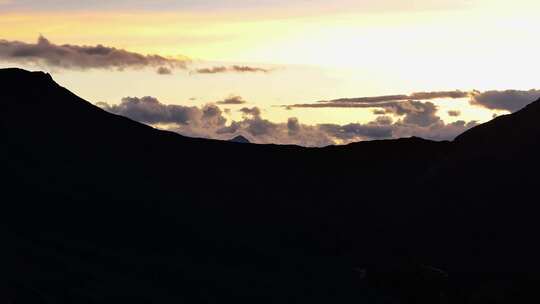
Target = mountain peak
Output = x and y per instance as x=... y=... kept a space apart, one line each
x=240 y=139
x=15 y=74
x=18 y=82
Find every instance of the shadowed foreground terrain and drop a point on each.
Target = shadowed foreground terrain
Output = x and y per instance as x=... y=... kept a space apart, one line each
x=97 y=208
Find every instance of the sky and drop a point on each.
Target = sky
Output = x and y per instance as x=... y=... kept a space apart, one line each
x=286 y=72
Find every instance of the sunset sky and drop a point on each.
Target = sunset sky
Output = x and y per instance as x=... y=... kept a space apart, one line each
x=280 y=71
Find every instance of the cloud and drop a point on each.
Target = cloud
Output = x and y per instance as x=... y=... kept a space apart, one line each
x=258 y=126
x=402 y=97
x=438 y=94
x=454 y=113
x=436 y=131
x=510 y=100
x=248 y=69
x=164 y=71
x=373 y=99
x=293 y=126
x=255 y=111
x=415 y=112
x=410 y=105
x=46 y=53
x=260 y=130
x=214 y=70
x=415 y=119
x=150 y=111
x=384 y=120
x=231 y=69
x=340 y=105
x=232 y=100
x=355 y=131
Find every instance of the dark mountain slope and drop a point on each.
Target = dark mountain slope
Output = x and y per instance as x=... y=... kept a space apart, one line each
x=507 y=131
x=490 y=201
x=97 y=206
x=83 y=181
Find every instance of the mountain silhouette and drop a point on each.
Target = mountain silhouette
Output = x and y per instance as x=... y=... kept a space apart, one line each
x=98 y=208
x=240 y=139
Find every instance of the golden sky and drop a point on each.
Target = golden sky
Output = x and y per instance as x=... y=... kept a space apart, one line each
x=313 y=50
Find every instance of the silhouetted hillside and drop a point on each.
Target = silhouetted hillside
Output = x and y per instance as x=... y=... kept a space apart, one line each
x=98 y=208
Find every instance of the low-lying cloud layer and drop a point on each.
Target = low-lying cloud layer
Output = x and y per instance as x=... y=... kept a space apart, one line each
x=231 y=69
x=46 y=53
x=412 y=118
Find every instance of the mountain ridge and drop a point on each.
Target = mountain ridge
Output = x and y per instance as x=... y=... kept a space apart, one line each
x=105 y=207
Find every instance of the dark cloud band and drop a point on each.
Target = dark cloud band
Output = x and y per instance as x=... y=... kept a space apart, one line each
x=231 y=69
x=509 y=100
x=414 y=96
x=232 y=100
x=68 y=56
